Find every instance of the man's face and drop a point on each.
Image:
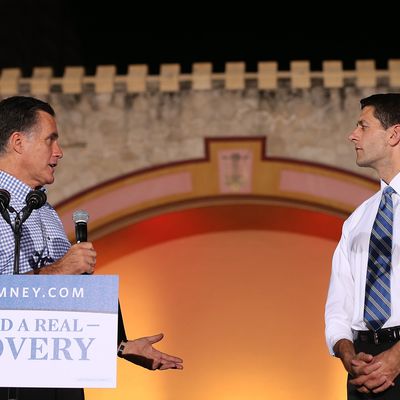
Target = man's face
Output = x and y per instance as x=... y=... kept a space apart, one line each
x=371 y=140
x=40 y=152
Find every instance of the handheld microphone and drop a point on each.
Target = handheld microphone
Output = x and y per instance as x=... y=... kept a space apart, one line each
x=34 y=200
x=80 y=217
x=4 y=202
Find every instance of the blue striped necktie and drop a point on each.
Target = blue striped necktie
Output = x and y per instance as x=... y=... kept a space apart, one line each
x=377 y=289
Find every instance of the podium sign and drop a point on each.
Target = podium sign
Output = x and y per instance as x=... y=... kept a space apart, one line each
x=58 y=330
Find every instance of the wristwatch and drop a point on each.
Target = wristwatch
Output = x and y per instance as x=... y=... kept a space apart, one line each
x=121 y=348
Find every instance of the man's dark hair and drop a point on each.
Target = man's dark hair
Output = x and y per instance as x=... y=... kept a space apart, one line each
x=387 y=107
x=18 y=114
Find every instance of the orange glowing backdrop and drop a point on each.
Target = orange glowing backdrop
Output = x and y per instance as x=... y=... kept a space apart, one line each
x=229 y=256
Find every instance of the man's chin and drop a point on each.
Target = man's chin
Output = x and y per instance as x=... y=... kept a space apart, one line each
x=362 y=163
x=48 y=181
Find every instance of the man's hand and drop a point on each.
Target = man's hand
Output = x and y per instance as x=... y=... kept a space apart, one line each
x=141 y=352
x=366 y=372
x=360 y=366
x=379 y=379
x=79 y=259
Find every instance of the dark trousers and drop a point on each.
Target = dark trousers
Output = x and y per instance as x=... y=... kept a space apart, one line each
x=393 y=393
x=44 y=394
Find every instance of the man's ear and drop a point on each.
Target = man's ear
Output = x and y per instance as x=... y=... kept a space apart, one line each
x=395 y=135
x=16 y=142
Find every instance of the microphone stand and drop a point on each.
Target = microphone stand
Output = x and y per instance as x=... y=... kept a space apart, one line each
x=17 y=229
x=34 y=200
x=13 y=392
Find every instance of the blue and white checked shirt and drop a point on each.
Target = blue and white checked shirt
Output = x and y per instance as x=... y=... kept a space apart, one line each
x=43 y=238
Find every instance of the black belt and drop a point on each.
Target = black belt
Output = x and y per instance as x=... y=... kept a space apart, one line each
x=386 y=335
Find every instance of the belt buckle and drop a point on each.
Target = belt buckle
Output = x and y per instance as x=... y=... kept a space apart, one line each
x=376 y=339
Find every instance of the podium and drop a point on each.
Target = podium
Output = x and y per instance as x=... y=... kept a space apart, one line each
x=58 y=331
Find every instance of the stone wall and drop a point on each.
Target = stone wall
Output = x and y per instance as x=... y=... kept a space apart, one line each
x=107 y=135
x=107 y=130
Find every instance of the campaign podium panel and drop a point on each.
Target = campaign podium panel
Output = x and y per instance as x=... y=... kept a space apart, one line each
x=58 y=330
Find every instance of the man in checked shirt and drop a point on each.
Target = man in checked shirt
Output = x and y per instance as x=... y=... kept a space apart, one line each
x=29 y=154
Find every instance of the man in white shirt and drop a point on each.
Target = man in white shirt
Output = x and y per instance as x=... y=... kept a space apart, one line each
x=370 y=353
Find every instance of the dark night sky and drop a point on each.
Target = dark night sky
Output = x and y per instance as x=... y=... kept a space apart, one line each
x=59 y=33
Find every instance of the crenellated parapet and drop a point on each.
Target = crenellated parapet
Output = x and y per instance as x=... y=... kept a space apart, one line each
x=111 y=125
x=235 y=77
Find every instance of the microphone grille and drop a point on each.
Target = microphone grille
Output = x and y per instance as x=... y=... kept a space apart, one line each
x=80 y=216
x=4 y=197
x=36 y=199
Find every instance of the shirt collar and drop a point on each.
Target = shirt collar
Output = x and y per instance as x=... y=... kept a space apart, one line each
x=17 y=188
x=394 y=183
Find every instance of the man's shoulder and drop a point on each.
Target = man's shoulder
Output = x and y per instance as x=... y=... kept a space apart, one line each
x=365 y=206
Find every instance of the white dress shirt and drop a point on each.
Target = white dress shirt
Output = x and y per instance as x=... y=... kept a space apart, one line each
x=344 y=310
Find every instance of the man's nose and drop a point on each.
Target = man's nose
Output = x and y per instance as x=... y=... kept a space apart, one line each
x=57 y=151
